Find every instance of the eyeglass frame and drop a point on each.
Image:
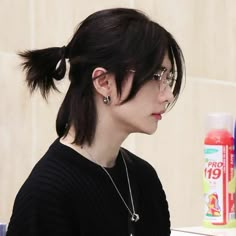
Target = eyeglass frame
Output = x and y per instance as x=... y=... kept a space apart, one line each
x=169 y=80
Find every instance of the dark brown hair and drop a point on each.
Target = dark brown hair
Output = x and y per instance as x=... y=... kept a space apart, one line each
x=116 y=39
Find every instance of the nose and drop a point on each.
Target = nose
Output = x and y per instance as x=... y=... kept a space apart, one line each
x=167 y=95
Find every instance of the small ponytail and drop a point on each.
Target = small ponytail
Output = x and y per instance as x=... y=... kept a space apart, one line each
x=42 y=67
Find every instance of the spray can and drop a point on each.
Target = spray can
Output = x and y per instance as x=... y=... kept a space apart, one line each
x=3 y=229
x=219 y=173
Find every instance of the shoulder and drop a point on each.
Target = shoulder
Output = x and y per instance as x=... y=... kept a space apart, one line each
x=52 y=174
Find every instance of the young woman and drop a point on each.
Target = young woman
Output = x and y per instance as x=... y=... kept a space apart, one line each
x=125 y=71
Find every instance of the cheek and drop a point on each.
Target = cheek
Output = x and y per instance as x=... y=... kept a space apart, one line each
x=143 y=103
x=149 y=96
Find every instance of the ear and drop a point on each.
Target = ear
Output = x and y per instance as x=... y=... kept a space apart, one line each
x=102 y=81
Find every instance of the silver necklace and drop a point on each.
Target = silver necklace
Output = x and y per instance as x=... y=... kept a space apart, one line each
x=134 y=216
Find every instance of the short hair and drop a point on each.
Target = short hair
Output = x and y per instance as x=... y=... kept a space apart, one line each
x=118 y=40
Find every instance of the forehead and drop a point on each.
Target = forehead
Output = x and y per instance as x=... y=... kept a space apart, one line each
x=166 y=62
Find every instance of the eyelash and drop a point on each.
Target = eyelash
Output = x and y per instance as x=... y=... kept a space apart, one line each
x=170 y=78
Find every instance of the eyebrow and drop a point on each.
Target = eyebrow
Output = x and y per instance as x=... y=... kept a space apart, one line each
x=165 y=69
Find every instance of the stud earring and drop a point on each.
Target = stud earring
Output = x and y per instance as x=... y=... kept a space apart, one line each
x=107 y=100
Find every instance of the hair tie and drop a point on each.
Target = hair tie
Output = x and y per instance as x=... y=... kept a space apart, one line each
x=60 y=69
x=64 y=52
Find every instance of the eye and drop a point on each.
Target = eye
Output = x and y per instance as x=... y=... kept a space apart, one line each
x=171 y=78
x=159 y=74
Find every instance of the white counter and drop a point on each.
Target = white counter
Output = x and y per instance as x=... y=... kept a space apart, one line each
x=194 y=231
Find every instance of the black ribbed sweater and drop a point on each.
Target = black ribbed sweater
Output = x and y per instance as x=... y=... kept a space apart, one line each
x=66 y=194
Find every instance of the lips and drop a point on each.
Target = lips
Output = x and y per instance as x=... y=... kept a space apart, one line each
x=157 y=116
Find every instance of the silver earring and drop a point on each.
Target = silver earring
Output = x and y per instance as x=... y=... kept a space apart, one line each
x=107 y=100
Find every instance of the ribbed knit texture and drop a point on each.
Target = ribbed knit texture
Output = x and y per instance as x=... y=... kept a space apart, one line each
x=66 y=194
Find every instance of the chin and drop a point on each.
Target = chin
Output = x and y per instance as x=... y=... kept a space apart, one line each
x=149 y=130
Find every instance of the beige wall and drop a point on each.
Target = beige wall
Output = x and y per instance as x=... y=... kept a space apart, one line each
x=205 y=29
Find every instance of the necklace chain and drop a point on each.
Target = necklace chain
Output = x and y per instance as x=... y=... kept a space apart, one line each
x=134 y=215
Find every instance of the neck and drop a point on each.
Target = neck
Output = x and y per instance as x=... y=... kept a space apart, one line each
x=107 y=140
x=104 y=149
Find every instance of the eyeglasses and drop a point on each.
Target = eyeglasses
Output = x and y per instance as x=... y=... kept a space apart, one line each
x=168 y=80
